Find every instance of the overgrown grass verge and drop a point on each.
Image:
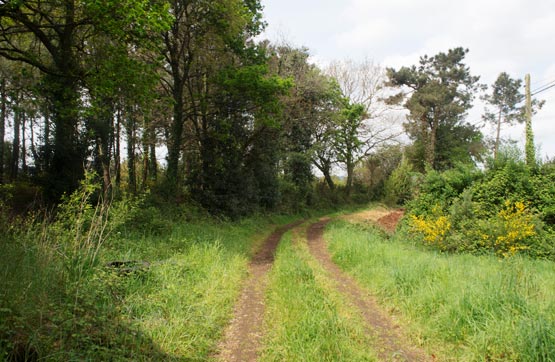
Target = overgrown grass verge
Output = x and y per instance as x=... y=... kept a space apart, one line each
x=459 y=307
x=187 y=296
x=306 y=320
x=60 y=302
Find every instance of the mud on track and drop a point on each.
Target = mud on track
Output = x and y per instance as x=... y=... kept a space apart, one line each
x=391 y=345
x=241 y=341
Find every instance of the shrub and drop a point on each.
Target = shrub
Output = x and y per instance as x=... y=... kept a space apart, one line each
x=509 y=231
x=504 y=210
x=399 y=187
x=433 y=228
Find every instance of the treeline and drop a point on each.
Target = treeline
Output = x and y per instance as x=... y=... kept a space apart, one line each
x=87 y=84
x=243 y=125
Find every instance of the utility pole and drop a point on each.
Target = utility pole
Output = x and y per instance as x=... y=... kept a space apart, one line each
x=529 y=147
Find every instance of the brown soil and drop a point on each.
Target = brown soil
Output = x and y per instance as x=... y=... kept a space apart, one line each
x=389 y=222
x=241 y=340
x=365 y=216
x=384 y=218
x=391 y=345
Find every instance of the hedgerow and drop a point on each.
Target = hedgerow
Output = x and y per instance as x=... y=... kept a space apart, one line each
x=505 y=209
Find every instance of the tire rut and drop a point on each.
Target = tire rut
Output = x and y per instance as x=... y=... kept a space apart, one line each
x=391 y=345
x=241 y=341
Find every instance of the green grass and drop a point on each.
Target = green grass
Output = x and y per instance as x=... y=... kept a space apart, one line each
x=60 y=306
x=459 y=307
x=306 y=320
x=187 y=296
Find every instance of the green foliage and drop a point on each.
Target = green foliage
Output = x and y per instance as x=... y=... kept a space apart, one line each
x=400 y=185
x=504 y=210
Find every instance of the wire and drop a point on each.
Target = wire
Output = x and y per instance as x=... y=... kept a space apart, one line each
x=544 y=89
x=542 y=82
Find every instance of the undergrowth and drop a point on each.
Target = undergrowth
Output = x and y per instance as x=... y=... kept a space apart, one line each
x=66 y=293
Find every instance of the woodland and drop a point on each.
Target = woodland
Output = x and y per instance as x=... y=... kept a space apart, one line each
x=168 y=136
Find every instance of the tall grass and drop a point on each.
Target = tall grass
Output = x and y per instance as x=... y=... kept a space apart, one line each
x=59 y=301
x=54 y=301
x=305 y=319
x=460 y=307
x=187 y=296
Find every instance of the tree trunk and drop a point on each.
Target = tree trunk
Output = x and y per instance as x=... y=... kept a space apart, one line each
x=14 y=167
x=497 y=138
x=47 y=154
x=176 y=134
x=103 y=150
x=117 y=148
x=3 y=117
x=23 y=145
x=131 y=170
x=431 y=146
x=153 y=162
x=34 y=153
x=329 y=180
x=146 y=157
x=67 y=166
x=350 y=171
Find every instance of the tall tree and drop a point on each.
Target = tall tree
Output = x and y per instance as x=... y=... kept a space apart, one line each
x=305 y=120
x=203 y=37
x=3 y=117
x=441 y=92
x=504 y=101
x=54 y=37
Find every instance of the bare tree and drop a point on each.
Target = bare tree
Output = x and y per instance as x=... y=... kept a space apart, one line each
x=369 y=122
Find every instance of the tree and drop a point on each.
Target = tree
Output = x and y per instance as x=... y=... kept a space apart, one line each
x=366 y=121
x=303 y=111
x=54 y=37
x=505 y=97
x=324 y=152
x=3 y=117
x=203 y=38
x=441 y=92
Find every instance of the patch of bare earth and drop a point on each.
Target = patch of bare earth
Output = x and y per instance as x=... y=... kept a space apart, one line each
x=391 y=344
x=389 y=222
x=366 y=216
x=241 y=341
x=380 y=216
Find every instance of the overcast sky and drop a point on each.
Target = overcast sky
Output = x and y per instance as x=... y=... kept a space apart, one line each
x=515 y=36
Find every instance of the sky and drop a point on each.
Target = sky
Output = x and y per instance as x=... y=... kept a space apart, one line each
x=513 y=36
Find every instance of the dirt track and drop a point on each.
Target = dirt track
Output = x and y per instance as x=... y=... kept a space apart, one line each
x=391 y=344
x=241 y=342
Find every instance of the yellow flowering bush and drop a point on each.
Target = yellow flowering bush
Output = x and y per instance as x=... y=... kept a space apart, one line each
x=434 y=228
x=513 y=225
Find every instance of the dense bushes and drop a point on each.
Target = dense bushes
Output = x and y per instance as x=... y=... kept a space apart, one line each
x=505 y=209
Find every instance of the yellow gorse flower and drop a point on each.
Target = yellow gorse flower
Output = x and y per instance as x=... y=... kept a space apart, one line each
x=434 y=230
x=516 y=226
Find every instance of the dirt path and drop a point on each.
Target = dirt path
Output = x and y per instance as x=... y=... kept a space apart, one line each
x=382 y=217
x=241 y=340
x=391 y=345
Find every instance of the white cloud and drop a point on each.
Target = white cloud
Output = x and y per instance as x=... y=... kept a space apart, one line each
x=515 y=36
x=374 y=32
